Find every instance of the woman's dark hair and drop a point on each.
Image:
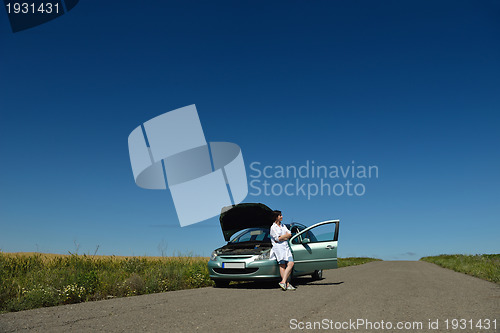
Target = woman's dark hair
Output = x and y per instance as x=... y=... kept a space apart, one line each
x=276 y=213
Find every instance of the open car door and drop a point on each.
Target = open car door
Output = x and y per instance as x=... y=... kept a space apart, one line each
x=315 y=247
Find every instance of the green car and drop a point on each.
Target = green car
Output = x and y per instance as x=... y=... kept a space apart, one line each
x=246 y=255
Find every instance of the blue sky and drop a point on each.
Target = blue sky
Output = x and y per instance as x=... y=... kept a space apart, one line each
x=411 y=87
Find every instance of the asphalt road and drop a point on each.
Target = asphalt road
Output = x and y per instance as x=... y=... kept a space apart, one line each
x=405 y=293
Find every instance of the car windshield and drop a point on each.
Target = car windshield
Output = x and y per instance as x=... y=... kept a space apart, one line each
x=252 y=235
x=262 y=234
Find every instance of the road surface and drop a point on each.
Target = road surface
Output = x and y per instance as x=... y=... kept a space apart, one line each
x=395 y=296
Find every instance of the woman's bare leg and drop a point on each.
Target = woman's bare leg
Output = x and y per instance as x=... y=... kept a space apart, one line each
x=288 y=271
x=282 y=273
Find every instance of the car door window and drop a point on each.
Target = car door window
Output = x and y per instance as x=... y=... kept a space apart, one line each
x=322 y=233
x=294 y=230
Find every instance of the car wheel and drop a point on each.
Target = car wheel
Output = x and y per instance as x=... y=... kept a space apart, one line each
x=221 y=283
x=317 y=275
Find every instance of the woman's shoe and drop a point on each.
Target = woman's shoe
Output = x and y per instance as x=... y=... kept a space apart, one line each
x=290 y=287
x=283 y=286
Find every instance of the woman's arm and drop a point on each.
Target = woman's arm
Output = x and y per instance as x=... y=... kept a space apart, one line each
x=274 y=234
x=286 y=236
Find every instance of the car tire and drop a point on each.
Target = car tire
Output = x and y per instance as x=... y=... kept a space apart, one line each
x=221 y=283
x=317 y=275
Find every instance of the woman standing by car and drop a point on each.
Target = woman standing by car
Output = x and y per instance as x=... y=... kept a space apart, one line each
x=280 y=250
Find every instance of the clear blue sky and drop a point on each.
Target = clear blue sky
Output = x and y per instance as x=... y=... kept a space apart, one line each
x=411 y=87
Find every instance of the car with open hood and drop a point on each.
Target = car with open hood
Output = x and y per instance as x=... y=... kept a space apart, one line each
x=246 y=229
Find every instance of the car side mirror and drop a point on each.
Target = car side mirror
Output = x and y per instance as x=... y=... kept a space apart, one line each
x=305 y=240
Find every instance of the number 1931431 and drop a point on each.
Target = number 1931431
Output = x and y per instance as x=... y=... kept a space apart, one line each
x=32 y=8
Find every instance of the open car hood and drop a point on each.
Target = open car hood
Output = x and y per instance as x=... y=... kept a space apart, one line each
x=245 y=215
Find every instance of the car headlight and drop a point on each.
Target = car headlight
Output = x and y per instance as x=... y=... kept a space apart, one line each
x=263 y=256
x=213 y=256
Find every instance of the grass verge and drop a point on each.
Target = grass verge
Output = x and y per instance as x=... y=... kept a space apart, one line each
x=484 y=266
x=35 y=280
x=344 y=262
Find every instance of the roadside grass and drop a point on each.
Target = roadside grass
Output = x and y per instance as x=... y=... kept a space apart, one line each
x=485 y=266
x=344 y=262
x=32 y=280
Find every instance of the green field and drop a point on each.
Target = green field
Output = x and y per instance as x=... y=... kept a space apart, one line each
x=33 y=280
x=485 y=266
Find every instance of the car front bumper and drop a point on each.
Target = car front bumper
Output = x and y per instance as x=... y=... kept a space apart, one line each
x=249 y=269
